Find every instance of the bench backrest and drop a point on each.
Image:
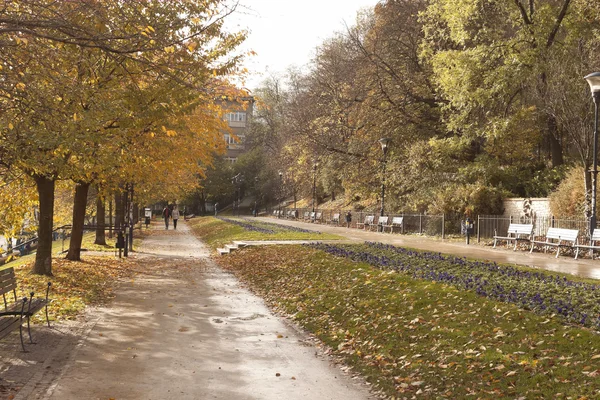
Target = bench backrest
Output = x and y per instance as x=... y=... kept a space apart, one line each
x=312 y=215
x=562 y=234
x=596 y=235
x=319 y=215
x=336 y=217
x=306 y=214
x=520 y=229
x=8 y=283
x=369 y=219
x=383 y=220
x=397 y=220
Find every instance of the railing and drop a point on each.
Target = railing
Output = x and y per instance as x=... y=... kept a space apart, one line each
x=486 y=226
x=421 y=224
x=489 y=225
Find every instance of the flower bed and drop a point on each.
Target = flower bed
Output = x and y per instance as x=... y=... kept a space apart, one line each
x=575 y=301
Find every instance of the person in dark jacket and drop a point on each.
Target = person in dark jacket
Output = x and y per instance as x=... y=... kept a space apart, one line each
x=166 y=215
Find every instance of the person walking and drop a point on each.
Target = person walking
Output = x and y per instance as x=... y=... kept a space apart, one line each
x=166 y=214
x=175 y=216
x=348 y=219
x=216 y=209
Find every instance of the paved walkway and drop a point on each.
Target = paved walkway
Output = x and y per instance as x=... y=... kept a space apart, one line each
x=586 y=268
x=184 y=329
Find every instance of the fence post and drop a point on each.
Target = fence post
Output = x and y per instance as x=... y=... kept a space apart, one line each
x=402 y=226
x=443 y=226
x=478 y=233
x=420 y=224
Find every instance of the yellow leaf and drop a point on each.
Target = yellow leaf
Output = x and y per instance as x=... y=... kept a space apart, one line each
x=163 y=128
x=151 y=29
x=10 y=126
x=192 y=46
x=170 y=49
x=20 y=86
x=75 y=117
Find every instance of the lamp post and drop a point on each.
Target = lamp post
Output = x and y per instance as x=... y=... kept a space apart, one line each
x=280 y=193
x=384 y=147
x=594 y=82
x=256 y=196
x=314 y=196
x=236 y=195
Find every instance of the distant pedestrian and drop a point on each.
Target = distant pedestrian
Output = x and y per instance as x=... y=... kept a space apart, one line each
x=166 y=214
x=216 y=208
x=348 y=219
x=175 y=216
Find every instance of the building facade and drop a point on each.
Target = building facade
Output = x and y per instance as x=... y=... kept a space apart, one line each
x=238 y=118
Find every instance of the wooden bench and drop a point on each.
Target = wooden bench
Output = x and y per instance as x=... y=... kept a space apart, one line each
x=561 y=236
x=334 y=220
x=367 y=223
x=515 y=233
x=306 y=215
x=396 y=223
x=19 y=310
x=382 y=222
x=318 y=217
x=592 y=246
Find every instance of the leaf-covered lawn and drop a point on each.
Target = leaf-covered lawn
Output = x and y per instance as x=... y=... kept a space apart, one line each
x=416 y=338
x=218 y=232
x=74 y=284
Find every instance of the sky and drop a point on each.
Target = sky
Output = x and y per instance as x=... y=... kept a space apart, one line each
x=286 y=33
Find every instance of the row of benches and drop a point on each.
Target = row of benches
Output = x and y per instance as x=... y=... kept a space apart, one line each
x=555 y=237
x=368 y=223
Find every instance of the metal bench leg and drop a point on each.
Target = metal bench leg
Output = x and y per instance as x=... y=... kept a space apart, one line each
x=22 y=342
x=557 y=251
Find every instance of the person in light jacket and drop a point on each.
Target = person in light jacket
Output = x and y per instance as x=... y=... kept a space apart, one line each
x=175 y=216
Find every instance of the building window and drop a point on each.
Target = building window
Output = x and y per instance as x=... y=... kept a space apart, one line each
x=231 y=159
x=236 y=117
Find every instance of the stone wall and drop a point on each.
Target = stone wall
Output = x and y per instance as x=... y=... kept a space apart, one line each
x=514 y=206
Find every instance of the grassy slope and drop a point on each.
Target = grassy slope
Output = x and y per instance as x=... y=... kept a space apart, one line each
x=414 y=337
x=217 y=233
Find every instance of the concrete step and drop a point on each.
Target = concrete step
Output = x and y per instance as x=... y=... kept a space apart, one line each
x=231 y=246
x=240 y=244
x=223 y=251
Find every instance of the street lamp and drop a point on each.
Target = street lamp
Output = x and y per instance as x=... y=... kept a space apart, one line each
x=236 y=196
x=594 y=82
x=384 y=147
x=256 y=196
x=314 y=196
x=280 y=193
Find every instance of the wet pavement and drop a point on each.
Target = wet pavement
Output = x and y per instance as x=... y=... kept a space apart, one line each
x=185 y=329
x=582 y=267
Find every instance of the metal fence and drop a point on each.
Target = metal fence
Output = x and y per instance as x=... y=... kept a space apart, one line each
x=486 y=226
x=489 y=225
x=431 y=225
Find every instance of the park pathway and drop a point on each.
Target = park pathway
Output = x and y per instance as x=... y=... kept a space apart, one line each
x=184 y=329
x=583 y=267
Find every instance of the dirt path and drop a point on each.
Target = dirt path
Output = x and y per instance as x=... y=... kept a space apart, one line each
x=184 y=329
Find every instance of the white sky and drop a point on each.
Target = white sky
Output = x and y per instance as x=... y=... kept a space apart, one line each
x=286 y=32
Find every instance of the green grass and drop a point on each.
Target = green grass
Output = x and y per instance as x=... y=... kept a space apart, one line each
x=217 y=233
x=416 y=338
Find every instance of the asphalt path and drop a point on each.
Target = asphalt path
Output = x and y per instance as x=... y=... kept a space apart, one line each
x=583 y=267
x=185 y=329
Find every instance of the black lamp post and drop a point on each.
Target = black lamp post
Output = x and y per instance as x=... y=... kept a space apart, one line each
x=594 y=82
x=256 y=196
x=236 y=196
x=280 y=193
x=384 y=146
x=314 y=196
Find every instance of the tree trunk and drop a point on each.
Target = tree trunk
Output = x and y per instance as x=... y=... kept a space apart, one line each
x=556 y=150
x=119 y=214
x=79 y=205
x=110 y=219
x=101 y=221
x=43 y=256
